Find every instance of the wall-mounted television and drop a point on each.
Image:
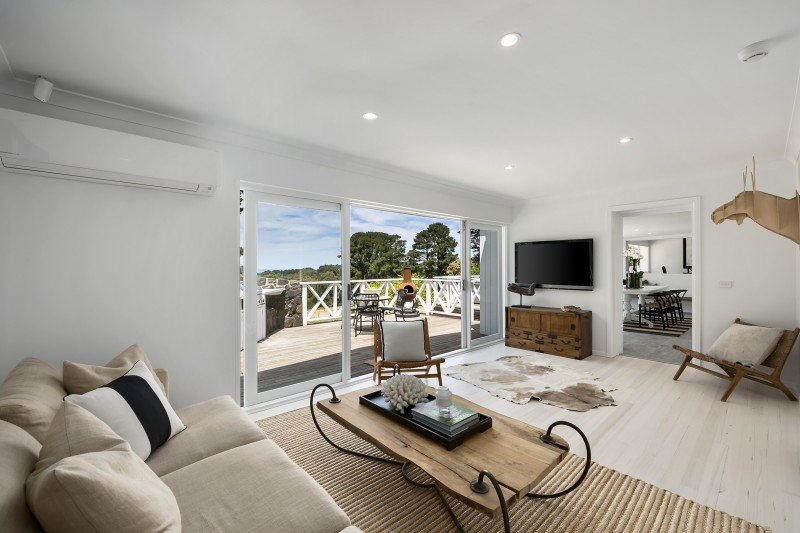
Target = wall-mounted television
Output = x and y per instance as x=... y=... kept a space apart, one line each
x=566 y=264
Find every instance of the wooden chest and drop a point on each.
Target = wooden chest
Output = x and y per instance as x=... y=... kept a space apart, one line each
x=550 y=330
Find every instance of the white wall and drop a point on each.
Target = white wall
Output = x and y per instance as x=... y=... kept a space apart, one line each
x=668 y=253
x=86 y=269
x=761 y=264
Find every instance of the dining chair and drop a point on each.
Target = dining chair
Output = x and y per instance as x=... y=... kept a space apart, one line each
x=660 y=308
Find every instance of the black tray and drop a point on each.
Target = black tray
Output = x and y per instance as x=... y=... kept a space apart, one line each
x=375 y=400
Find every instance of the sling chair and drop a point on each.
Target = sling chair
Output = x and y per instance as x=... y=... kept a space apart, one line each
x=404 y=348
x=735 y=372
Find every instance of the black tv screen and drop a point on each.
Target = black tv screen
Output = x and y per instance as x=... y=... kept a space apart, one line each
x=567 y=264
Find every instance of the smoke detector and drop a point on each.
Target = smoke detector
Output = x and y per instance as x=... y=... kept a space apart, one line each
x=754 y=52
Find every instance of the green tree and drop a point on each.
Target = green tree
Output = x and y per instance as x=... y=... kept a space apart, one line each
x=433 y=250
x=374 y=254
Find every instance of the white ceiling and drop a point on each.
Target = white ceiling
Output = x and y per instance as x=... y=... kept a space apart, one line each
x=452 y=103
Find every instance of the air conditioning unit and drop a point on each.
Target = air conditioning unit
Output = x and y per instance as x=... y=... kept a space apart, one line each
x=33 y=144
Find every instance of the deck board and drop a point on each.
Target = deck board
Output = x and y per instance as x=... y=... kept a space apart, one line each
x=294 y=355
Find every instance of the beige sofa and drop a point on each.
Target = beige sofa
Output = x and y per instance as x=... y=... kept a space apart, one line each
x=225 y=475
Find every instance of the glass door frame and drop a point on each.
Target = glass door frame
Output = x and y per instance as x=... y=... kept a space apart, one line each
x=252 y=196
x=500 y=265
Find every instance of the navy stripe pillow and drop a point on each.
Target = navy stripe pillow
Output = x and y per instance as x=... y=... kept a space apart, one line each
x=135 y=407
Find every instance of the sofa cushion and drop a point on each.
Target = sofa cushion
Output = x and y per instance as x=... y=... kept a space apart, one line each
x=20 y=451
x=31 y=395
x=88 y=479
x=135 y=407
x=80 y=378
x=212 y=426
x=256 y=488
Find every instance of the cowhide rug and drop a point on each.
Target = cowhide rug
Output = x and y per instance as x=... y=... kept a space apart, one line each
x=519 y=378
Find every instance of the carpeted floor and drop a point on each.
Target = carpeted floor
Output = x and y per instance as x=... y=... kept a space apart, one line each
x=376 y=498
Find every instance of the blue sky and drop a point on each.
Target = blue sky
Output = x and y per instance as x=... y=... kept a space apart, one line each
x=296 y=237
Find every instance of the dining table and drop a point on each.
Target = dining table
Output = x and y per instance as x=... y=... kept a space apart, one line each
x=628 y=309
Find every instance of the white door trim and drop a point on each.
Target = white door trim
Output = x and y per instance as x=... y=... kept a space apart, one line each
x=615 y=215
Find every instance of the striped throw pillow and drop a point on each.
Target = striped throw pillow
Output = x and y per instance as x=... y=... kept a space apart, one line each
x=135 y=407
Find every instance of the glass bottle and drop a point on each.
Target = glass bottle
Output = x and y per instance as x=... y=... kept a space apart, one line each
x=444 y=401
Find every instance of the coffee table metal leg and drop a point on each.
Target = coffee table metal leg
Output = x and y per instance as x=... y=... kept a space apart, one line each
x=402 y=464
x=482 y=488
x=547 y=439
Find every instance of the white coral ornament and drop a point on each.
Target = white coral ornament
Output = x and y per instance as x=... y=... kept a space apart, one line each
x=403 y=391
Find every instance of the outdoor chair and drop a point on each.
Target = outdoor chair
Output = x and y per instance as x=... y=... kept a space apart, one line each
x=404 y=348
x=735 y=372
x=365 y=307
x=404 y=309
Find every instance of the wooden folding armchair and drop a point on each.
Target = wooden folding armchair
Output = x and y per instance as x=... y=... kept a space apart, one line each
x=735 y=372
x=387 y=365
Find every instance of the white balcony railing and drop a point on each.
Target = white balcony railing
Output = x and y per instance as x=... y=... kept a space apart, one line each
x=440 y=295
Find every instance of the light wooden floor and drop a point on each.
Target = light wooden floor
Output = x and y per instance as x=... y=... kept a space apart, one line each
x=742 y=457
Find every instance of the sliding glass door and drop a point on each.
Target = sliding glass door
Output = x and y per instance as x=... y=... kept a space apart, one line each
x=484 y=280
x=294 y=312
x=304 y=260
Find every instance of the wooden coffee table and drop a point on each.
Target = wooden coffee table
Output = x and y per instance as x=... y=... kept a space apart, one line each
x=511 y=451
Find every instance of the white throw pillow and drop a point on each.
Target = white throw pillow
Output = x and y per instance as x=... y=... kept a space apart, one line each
x=403 y=341
x=135 y=407
x=748 y=345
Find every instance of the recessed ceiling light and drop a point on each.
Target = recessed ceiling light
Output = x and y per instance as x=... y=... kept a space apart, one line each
x=510 y=39
x=649 y=232
x=508 y=167
x=625 y=140
x=370 y=116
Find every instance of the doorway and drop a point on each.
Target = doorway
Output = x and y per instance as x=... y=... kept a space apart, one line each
x=679 y=222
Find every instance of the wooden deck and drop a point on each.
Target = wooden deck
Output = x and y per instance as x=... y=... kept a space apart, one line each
x=294 y=355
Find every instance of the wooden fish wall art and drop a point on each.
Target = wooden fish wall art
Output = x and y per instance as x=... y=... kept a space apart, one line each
x=781 y=215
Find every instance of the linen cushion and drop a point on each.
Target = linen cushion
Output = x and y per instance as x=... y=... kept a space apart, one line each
x=212 y=426
x=30 y=396
x=748 y=345
x=80 y=378
x=244 y=479
x=19 y=453
x=403 y=341
x=88 y=479
x=135 y=407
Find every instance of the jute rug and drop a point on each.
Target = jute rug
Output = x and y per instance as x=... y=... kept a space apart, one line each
x=520 y=378
x=675 y=330
x=378 y=500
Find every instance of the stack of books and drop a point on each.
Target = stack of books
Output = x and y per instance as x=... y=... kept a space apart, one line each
x=460 y=419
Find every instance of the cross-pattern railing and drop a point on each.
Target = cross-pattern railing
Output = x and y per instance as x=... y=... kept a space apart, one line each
x=440 y=295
